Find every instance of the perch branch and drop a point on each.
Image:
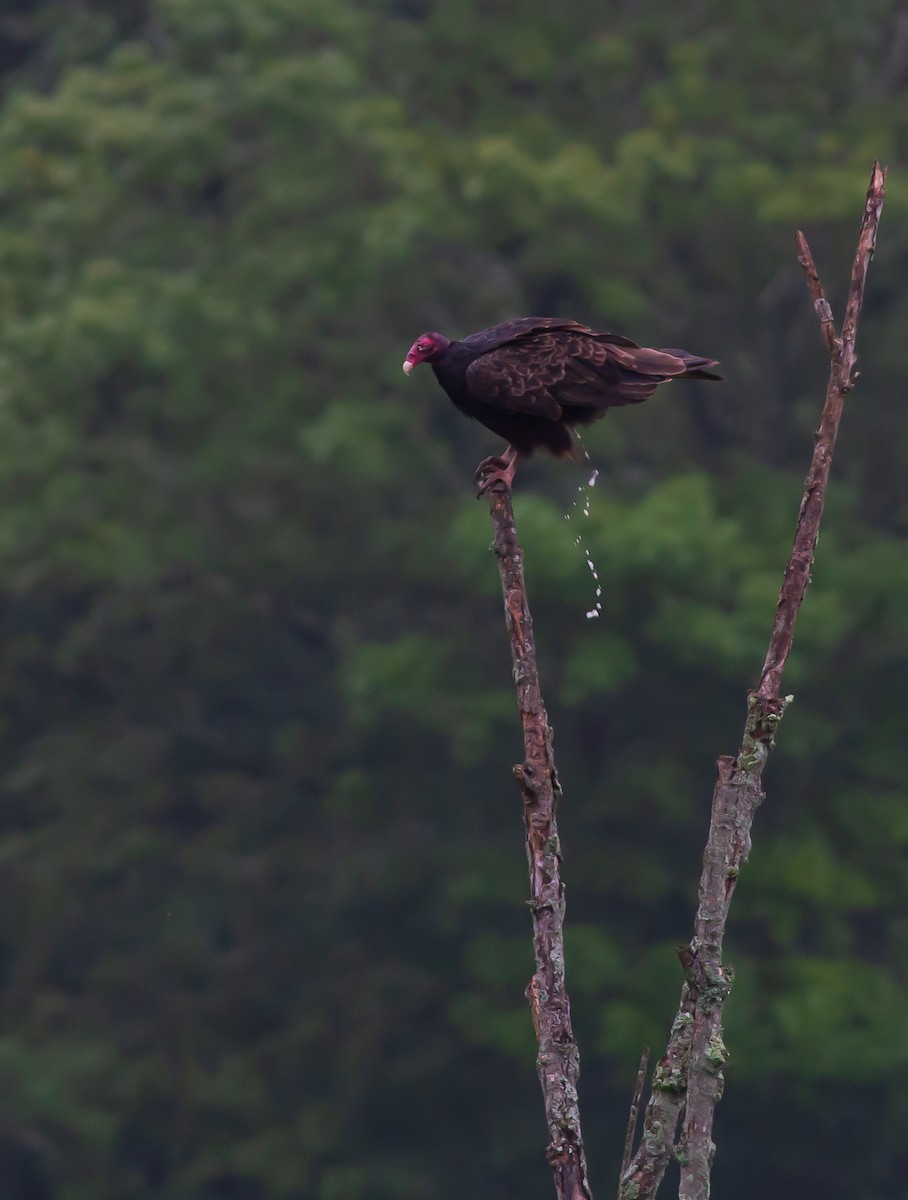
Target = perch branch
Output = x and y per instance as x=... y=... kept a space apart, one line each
x=558 y=1061
x=689 y=1076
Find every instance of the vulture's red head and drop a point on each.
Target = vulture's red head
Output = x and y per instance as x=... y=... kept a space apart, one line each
x=426 y=348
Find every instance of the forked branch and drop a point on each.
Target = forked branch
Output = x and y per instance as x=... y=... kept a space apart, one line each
x=689 y=1076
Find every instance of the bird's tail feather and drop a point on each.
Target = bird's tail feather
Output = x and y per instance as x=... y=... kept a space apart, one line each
x=697 y=366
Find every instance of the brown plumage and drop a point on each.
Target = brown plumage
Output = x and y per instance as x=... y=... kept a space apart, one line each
x=531 y=380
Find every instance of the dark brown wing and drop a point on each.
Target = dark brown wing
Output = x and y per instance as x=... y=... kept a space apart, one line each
x=546 y=371
x=524 y=327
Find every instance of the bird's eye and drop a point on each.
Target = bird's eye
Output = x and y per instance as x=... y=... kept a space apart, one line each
x=424 y=345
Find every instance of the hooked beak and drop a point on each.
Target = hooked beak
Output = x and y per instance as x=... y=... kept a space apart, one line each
x=408 y=366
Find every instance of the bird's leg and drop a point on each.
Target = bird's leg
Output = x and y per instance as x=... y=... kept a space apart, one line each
x=496 y=470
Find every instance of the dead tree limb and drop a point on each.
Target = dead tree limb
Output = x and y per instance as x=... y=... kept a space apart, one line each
x=558 y=1061
x=689 y=1075
x=634 y=1116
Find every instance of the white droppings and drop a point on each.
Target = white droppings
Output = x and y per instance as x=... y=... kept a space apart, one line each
x=578 y=540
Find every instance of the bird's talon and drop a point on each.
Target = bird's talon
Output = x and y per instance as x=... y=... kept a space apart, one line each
x=493 y=480
x=496 y=472
x=488 y=465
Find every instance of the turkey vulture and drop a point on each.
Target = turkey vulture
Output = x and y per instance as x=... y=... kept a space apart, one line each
x=532 y=379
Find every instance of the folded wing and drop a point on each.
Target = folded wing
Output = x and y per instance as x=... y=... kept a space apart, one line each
x=544 y=372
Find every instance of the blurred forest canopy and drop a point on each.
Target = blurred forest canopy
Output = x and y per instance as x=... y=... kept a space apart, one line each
x=263 y=932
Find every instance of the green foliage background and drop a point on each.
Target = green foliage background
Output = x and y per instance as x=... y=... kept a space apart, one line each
x=262 y=932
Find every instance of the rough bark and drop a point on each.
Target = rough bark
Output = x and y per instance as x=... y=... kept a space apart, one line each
x=690 y=1074
x=558 y=1061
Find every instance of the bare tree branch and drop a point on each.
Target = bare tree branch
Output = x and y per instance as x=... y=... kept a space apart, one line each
x=690 y=1075
x=558 y=1061
x=841 y=381
x=633 y=1117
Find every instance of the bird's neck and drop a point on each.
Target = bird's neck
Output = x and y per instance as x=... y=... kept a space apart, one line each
x=451 y=369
